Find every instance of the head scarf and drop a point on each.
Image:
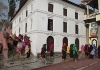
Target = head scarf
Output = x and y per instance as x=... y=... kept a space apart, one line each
x=74 y=49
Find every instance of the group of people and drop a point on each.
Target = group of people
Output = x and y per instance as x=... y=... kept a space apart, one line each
x=87 y=50
x=20 y=45
x=43 y=51
x=91 y=51
x=72 y=51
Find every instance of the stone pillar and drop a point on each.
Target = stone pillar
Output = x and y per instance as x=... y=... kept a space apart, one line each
x=87 y=9
x=98 y=22
x=87 y=33
x=99 y=5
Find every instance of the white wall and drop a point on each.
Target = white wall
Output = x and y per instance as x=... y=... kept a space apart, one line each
x=71 y=12
x=34 y=44
x=42 y=5
x=58 y=41
x=40 y=15
x=71 y=27
x=57 y=24
x=58 y=9
x=42 y=21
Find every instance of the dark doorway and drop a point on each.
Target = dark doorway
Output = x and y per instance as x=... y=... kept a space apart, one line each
x=94 y=41
x=65 y=40
x=50 y=40
x=77 y=43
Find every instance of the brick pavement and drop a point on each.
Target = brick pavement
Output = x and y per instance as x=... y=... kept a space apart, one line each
x=82 y=64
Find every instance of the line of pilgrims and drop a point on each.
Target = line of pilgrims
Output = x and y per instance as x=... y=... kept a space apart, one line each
x=19 y=45
x=72 y=52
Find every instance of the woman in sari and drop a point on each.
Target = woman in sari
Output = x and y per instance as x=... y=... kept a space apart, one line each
x=43 y=50
x=91 y=52
x=51 y=50
x=71 y=52
x=75 y=50
x=19 y=46
x=86 y=50
x=64 y=51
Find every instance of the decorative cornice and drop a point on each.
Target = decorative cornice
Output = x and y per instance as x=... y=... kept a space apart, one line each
x=52 y=33
x=50 y=14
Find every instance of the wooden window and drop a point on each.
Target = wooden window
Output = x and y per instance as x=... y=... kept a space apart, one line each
x=26 y=13
x=50 y=7
x=50 y=24
x=76 y=29
x=64 y=26
x=64 y=12
x=25 y=27
x=76 y=15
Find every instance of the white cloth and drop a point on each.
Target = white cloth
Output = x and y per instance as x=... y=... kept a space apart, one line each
x=92 y=52
x=19 y=45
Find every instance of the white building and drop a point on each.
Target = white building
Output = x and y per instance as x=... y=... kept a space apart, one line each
x=49 y=21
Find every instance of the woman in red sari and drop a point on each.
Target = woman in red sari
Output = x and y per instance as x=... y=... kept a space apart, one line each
x=51 y=50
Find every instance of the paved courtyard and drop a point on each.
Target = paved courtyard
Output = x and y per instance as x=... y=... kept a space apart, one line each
x=56 y=63
x=82 y=64
x=20 y=63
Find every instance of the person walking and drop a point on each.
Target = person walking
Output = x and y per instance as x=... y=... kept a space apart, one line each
x=43 y=50
x=27 y=51
x=19 y=47
x=51 y=50
x=68 y=52
x=91 y=52
x=71 y=52
x=64 y=51
x=82 y=51
x=86 y=50
x=75 y=52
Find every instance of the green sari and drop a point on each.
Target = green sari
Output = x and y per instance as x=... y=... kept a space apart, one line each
x=74 y=49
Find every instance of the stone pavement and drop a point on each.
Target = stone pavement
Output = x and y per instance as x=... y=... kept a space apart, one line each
x=56 y=63
x=81 y=64
x=21 y=63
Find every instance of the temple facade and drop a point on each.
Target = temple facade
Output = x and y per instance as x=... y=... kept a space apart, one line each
x=46 y=21
x=92 y=21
